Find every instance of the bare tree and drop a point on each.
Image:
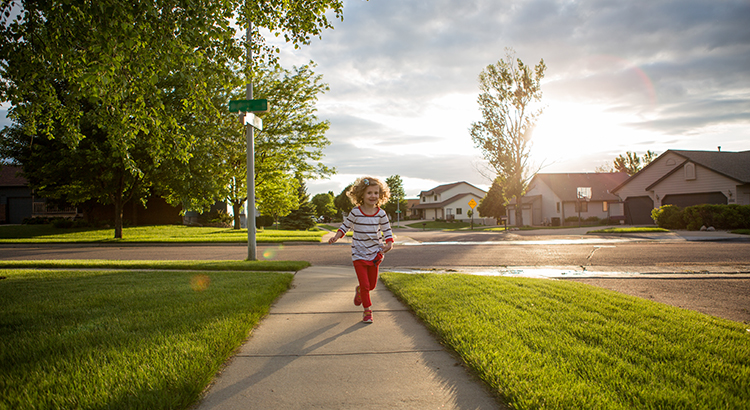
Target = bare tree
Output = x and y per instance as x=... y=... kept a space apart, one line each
x=508 y=90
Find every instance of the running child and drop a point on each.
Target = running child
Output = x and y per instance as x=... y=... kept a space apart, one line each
x=372 y=236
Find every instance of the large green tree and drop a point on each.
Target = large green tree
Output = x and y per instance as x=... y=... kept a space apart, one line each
x=397 y=201
x=324 y=207
x=509 y=89
x=108 y=87
x=278 y=196
x=292 y=140
x=343 y=204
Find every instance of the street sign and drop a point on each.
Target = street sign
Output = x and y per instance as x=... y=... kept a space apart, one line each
x=472 y=203
x=248 y=105
x=254 y=120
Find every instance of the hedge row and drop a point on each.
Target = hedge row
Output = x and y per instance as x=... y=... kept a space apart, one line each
x=694 y=217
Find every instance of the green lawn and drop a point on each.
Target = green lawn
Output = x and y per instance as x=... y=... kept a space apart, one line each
x=631 y=229
x=439 y=225
x=564 y=345
x=122 y=339
x=149 y=234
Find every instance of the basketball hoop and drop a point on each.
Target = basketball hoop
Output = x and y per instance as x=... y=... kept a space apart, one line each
x=583 y=193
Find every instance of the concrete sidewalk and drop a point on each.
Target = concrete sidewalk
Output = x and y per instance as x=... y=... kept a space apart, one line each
x=313 y=351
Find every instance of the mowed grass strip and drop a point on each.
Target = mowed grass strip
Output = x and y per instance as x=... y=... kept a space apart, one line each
x=563 y=345
x=150 y=234
x=123 y=339
x=272 y=266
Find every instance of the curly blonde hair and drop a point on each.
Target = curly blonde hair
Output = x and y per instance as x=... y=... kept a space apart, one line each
x=356 y=192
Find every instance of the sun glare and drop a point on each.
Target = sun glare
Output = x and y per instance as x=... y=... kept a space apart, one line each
x=570 y=131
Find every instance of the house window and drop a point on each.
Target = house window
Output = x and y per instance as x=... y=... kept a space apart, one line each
x=435 y=198
x=689 y=171
x=605 y=206
x=449 y=211
x=458 y=211
x=558 y=207
x=424 y=199
x=582 y=206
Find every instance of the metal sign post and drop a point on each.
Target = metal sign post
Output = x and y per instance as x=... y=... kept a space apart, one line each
x=250 y=106
x=472 y=204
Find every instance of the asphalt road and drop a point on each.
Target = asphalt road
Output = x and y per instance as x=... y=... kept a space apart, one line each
x=446 y=250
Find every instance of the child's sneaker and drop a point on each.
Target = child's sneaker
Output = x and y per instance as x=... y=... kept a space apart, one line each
x=357 y=297
x=367 y=317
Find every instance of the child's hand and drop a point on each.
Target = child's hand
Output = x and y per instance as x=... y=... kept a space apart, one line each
x=335 y=237
x=388 y=246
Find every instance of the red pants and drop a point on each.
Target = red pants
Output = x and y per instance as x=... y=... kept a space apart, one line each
x=367 y=275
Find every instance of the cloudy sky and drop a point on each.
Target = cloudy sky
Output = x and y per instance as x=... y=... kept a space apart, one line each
x=621 y=76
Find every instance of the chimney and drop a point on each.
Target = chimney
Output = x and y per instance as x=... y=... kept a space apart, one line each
x=719 y=148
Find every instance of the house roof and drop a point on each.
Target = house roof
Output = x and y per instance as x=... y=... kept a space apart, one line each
x=565 y=185
x=735 y=165
x=452 y=199
x=9 y=176
x=442 y=188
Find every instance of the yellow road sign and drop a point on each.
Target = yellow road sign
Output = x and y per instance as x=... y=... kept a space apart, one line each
x=472 y=203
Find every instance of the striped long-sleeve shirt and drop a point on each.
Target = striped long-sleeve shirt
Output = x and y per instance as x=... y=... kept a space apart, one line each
x=367 y=240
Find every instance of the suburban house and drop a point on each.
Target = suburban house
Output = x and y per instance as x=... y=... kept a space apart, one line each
x=685 y=178
x=15 y=196
x=412 y=212
x=18 y=202
x=449 y=202
x=550 y=198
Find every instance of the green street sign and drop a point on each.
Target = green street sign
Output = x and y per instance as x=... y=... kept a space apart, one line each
x=248 y=105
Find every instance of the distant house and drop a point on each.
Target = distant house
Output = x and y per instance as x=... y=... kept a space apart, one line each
x=15 y=196
x=18 y=202
x=412 y=212
x=448 y=202
x=550 y=198
x=686 y=178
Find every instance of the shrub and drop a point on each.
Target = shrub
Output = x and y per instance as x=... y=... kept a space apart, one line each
x=694 y=217
x=263 y=221
x=62 y=223
x=221 y=219
x=668 y=217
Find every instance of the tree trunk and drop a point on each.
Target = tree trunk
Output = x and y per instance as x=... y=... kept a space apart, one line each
x=236 y=209
x=519 y=211
x=119 y=204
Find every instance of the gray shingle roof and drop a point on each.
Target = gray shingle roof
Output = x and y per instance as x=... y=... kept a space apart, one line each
x=565 y=185
x=735 y=165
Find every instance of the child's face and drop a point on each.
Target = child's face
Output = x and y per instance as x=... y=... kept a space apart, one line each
x=372 y=195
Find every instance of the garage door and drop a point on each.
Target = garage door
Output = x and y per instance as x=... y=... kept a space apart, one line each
x=684 y=200
x=638 y=210
x=18 y=209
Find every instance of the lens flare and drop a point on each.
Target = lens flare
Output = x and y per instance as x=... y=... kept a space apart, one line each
x=271 y=253
x=199 y=283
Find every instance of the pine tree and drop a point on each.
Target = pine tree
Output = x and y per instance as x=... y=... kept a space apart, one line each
x=302 y=218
